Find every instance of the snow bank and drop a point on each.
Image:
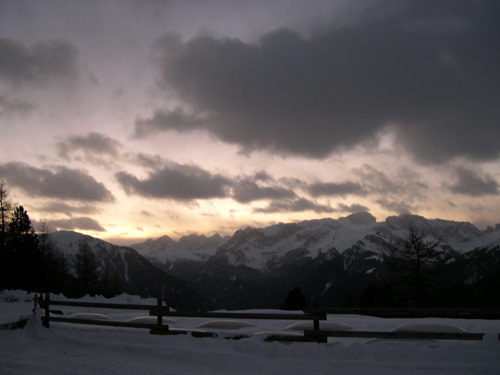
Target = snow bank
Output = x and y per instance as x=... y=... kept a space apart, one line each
x=73 y=349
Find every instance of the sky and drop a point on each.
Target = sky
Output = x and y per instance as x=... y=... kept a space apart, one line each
x=134 y=119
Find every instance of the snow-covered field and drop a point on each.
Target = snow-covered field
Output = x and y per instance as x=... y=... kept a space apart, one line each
x=74 y=349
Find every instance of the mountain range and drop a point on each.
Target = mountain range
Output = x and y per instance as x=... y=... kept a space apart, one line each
x=263 y=248
x=135 y=274
x=332 y=260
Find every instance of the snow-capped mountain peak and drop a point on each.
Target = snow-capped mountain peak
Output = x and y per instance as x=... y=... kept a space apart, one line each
x=259 y=247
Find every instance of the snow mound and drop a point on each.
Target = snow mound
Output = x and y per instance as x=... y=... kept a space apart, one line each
x=441 y=328
x=15 y=296
x=226 y=324
x=491 y=339
x=150 y=319
x=324 y=326
x=93 y=316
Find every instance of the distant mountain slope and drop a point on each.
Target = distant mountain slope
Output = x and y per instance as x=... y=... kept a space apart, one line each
x=332 y=260
x=136 y=274
x=192 y=247
x=261 y=248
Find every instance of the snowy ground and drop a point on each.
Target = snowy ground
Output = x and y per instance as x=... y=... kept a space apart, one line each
x=72 y=349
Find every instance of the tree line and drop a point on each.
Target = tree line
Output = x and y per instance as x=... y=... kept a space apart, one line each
x=416 y=270
x=32 y=261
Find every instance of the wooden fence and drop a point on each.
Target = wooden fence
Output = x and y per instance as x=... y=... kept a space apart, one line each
x=315 y=315
x=160 y=311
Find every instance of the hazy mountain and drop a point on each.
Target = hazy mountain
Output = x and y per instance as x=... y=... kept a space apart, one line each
x=136 y=274
x=263 y=248
x=332 y=260
x=192 y=247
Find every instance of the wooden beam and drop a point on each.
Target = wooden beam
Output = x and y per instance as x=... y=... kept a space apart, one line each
x=47 y=311
x=236 y=315
x=109 y=323
x=101 y=305
x=397 y=335
x=382 y=312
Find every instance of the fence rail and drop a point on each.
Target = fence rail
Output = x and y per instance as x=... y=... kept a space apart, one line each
x=313 y=314
x=109 y=323
x=104 y=305
x=382 y=312
x=160 y=311
x=158 y=328
x=237 y=315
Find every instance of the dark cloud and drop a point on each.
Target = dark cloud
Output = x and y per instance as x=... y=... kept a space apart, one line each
x=82 y=223
x=11 y=106
x=61 y=207
x=405 y=181
x=58 y=182
x=147 y=161
x=397 y=206
x=332 y=188
x=262 y=176
x=176 y=181
x=92 y=144
x=293 y=183
x=246 y=190
x=353 y=208
x=470 y=182
x=297 y=205
x=430 y=70
x=164 y=120
x=42 y=62
x=167 y=179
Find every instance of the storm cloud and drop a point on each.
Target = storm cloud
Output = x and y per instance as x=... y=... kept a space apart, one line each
x=176 y=181
x=61 y=207
x=82 y=223
x=473 y=183
x=39 y=63
x=397 y=206
x=297 y=205
x=404 y=182
x=352 y=208
x=59 y=182
x=246 y=190
x=90 y=144
x=335 y=188
x=428 y=71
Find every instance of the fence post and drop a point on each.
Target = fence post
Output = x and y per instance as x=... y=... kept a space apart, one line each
x=35 y=301
x=159 y=318
x=47 y=311
x=316 y=324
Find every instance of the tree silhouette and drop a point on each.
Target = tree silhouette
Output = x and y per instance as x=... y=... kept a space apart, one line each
x=86 y=269
x=295 y=300
x=23 y=252
x=411 y=261
x=55 y=268
x=5 y=208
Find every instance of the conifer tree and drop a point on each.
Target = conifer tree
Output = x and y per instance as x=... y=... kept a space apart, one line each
x=5 y=208
x=86 y=269
x=411 y=261
x=23 y=253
